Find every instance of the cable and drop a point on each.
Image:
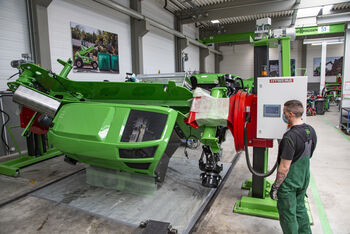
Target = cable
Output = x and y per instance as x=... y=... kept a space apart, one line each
x=3 y=130
x=248 y=160
x=13 y=75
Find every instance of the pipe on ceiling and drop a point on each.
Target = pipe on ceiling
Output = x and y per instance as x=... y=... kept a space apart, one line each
x=139 y=16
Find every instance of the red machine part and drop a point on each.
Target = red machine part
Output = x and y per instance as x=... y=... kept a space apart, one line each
x=25 y=117
x=191 y=120
x=241 y=105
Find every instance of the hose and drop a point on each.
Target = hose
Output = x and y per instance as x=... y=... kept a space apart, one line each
x=248 y=160
x=3 y=130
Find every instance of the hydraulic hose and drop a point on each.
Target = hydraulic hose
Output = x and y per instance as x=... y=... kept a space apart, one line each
x=248 y=160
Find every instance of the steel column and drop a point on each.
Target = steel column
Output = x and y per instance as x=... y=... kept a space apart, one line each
x=218 y=59
x=346 y=72
x=138 y=28
x=303 y=58
x=180 y=45
x=203 y=53
x=323 y=65
x=38 y=28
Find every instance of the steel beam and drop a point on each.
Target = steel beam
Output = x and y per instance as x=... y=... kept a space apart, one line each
x=137 y=15
x=333 y=19
x=203 y=53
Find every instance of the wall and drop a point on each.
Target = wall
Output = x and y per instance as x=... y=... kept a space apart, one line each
x=315 y=52
x=239 y=59
x=89 y=13
x=192 y=51
x=158 y=46
x=14 y=38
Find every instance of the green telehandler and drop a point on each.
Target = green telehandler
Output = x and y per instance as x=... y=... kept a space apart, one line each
x=81 y=58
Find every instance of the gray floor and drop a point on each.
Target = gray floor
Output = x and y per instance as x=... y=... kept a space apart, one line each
x=330 y=167
x=177 y=201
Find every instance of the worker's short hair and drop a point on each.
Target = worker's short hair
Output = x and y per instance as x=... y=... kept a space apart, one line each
x=295 y=106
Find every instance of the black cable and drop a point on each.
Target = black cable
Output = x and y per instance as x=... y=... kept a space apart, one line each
x=17 y=73
x=248 y=160
x=3 y=130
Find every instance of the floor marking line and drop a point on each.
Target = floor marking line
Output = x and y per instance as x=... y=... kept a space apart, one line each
x=321 y=212
x=337 y=129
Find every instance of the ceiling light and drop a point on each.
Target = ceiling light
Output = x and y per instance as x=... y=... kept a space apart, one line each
x=308 y=12
x=215 y=21
x=327 y=9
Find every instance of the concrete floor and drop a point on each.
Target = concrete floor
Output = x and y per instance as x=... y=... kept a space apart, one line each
x=330 y=167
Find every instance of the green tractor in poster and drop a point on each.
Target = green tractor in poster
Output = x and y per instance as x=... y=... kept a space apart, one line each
x=82 y=57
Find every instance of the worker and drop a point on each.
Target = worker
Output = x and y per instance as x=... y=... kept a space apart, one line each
x=293 y=173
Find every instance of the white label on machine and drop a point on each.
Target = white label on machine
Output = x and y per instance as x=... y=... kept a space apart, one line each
x=323 y=29
x=273 y=92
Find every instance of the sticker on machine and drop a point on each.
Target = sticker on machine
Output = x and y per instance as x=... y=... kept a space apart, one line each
x=282 y=80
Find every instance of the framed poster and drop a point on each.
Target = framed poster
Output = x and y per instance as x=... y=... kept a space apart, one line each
x=94 y=50
x=334 y=66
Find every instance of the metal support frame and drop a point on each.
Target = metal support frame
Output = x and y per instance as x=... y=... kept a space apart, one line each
x=323 y=66
x=135 y=14
x=285 y=56
x=203 y=53
x=303 y=58
x=218 y=59
x=138 y=28
x=345 y=103
x=37 y=152
x=38 y=28
x=180 y=45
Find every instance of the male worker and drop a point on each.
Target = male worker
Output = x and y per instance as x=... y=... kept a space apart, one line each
x=293 y=173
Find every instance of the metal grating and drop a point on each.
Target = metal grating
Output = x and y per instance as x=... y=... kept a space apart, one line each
x=341 y=6
x=245 y=18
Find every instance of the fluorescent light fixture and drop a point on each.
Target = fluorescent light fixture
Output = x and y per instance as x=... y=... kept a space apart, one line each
x=215 y=21
x=328 y=41
x=308 y=12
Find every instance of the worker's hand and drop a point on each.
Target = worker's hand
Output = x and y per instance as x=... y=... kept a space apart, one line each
x=273 y=192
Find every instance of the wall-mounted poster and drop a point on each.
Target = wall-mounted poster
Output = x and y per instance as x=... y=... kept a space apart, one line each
x=334 y=66
x=94 y=50
x=274 y=68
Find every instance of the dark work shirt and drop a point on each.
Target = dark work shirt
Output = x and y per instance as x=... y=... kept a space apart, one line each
x=292 y=144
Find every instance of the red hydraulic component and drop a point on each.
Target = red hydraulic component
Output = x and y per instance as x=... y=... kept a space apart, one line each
x=25 y=117
x=241 y=105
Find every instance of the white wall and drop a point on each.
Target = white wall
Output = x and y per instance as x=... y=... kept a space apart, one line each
x=193 y=51
x=14 y=38
x=158 y=46
x=315 y=52
x=89 y=13
x=239 y=59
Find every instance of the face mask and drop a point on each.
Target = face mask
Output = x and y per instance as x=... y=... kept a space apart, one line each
x=285 y=119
